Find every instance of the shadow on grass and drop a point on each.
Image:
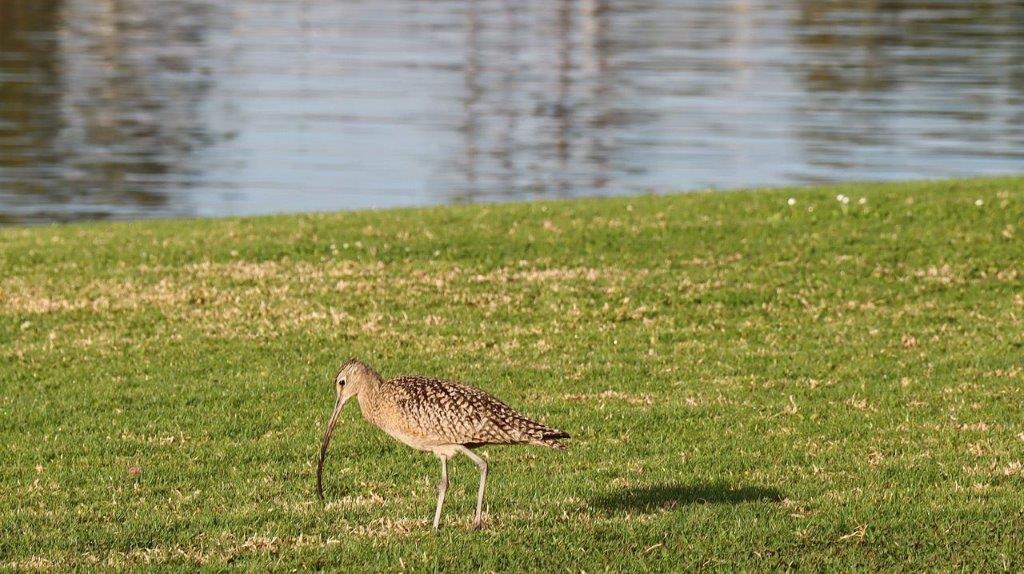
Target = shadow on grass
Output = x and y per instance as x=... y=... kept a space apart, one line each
x=666 y=496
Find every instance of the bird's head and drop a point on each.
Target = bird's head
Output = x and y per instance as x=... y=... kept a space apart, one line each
x=353 y=377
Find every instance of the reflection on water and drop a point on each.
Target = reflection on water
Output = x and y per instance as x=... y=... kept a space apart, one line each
x=146 y=108
x=101 y=110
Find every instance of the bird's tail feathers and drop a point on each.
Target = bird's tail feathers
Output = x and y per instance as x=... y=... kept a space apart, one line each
x=548 y=439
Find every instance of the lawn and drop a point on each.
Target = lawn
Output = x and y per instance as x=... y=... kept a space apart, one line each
x=753 y=379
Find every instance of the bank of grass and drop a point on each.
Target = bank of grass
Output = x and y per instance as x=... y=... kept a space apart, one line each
x=749 y=383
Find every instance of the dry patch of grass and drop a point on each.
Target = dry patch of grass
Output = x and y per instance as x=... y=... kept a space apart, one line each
x=604 y=397
x=258 y=299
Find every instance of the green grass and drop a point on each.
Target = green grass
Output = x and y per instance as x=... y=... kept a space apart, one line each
x=749 y=384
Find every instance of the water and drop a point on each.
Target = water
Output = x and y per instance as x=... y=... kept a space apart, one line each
x=147 y=108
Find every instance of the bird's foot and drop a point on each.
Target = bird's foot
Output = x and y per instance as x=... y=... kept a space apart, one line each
x=478 y=524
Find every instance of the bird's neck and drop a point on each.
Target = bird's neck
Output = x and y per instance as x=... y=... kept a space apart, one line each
x=367 y=396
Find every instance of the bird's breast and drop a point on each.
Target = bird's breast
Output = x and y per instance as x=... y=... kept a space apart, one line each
x=409 y=438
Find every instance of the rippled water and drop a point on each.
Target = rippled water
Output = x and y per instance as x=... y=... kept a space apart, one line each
x=150 y=108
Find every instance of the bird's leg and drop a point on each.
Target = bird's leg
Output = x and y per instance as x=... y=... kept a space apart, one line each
x=442 y=489
x=478 y=521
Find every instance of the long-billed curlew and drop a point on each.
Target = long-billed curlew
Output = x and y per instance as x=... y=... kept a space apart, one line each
x=441 y=417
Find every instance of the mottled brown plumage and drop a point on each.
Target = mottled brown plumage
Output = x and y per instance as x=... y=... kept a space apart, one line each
x=460 y=414
x=442 y=417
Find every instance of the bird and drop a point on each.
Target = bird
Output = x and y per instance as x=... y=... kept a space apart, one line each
x=442 y=417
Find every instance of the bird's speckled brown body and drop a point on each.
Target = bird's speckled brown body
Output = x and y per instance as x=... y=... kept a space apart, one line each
x=435 y=416
x=442 y=417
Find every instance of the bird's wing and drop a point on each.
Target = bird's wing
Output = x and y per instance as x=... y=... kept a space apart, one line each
x=466 y=415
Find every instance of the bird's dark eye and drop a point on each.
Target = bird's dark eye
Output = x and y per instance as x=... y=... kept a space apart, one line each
x=341 y=382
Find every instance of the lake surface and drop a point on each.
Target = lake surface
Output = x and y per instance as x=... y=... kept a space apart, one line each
x=152 y=108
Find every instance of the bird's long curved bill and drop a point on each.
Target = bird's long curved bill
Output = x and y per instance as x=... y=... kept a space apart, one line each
x=323 y=447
